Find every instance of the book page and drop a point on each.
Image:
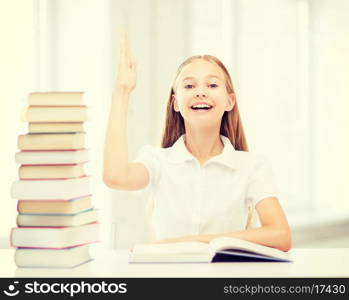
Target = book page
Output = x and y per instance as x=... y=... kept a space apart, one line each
x=225 y=243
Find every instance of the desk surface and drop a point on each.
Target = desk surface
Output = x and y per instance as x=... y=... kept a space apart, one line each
x=323 y=262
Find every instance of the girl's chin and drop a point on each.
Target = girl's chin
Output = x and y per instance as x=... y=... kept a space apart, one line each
x=203 y=120
x=204 y=115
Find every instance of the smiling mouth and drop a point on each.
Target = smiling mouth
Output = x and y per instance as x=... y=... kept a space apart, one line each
x=201 y=107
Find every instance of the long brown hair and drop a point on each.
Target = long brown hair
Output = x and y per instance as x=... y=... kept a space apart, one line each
x=231 y=125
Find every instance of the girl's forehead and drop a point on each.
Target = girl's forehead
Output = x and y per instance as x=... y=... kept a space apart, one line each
x=201 y=68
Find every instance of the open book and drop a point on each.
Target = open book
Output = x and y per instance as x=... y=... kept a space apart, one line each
x=223 y=249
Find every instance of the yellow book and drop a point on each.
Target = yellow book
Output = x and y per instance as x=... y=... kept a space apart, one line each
x=56 y=98
x=56 y=127
x=51 y=171
x=51 y=141
x=70 y=206
x=51 y=114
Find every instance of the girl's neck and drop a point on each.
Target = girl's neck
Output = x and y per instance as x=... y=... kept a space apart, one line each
x=203 y=144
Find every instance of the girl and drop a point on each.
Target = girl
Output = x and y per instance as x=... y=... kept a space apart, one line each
x=203 y=181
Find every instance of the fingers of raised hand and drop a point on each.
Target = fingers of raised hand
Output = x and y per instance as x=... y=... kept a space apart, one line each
x=126 y=58
x=122 y=46
x=133 y=62
x=127 y=45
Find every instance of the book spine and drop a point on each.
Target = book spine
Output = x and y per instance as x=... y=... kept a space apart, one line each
x=60 y=179
x=11 y=238
x=54 y=150
x=58 y=215
x=53 y=165
x=55 y=248
x=59 y=200
x=58 y=106
x=47 y=200
x=51 y=227
x=65 y=248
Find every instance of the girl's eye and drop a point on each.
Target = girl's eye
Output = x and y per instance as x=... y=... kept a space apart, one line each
x=188 y=86
x=213 y=85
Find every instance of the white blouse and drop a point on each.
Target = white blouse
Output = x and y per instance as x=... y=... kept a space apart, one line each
x=189 y=199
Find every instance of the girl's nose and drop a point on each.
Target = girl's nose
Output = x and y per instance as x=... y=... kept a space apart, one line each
x=200 y=94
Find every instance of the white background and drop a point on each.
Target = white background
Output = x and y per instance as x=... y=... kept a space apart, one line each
x=289 y=64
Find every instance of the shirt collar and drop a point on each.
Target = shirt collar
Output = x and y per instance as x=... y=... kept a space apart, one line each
x=179 y=153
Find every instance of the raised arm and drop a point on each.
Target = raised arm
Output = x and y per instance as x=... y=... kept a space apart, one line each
x=118 y=172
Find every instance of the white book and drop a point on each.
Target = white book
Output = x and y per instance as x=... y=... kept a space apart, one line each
x=52 y=258
x=44 y=220
x=54 y=237
x=62 y=189
x=51 y=157
x=224 y=249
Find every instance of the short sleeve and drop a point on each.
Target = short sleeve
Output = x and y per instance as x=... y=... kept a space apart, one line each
x=149 y=156
x=261 y=183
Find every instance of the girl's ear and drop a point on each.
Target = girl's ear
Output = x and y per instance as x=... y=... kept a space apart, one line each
x=175 y=103
x=231 y=102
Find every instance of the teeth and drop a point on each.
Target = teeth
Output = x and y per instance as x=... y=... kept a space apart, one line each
x=201 y=106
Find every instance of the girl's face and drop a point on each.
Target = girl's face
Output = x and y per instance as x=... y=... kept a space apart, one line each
x=201 y=95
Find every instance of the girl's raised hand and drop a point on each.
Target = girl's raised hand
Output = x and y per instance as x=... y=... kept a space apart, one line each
x=126 y=71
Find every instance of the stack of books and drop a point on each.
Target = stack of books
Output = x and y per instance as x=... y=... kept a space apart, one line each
x=56 y=221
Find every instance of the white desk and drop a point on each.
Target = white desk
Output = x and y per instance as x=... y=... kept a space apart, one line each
x=330 y=262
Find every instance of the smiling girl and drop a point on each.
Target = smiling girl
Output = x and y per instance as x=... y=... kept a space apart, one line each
x=203 y=181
